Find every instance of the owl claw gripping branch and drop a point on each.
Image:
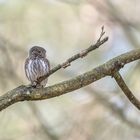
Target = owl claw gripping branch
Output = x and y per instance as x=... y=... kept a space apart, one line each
x=37 y=65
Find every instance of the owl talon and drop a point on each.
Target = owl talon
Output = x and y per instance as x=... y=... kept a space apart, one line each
x=36 y=85
x=39 y=86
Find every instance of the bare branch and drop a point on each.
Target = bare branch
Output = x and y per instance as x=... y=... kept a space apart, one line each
x=76 y=56
x=23 y=92
x=126 y=90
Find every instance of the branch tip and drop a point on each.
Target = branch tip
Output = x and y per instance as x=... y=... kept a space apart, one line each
x=101 y=34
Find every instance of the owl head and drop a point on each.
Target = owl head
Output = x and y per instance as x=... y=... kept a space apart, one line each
x=37 y=51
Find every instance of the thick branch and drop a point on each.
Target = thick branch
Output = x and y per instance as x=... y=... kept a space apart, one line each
x=23 y=93
x=126 y=90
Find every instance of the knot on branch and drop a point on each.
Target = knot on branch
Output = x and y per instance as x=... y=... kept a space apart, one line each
x=113 y=66
x=117 y=66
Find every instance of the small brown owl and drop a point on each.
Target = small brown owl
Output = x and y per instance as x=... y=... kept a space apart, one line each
x=37 y=65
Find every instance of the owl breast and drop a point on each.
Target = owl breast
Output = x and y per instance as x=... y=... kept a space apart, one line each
x=35 y=68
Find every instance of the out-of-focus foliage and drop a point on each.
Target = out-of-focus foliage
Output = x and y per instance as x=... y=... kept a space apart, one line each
x=64 y=27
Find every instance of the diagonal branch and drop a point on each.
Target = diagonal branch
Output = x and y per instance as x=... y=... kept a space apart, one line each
x=23 y=92
x=126 y=90
x=77 y=56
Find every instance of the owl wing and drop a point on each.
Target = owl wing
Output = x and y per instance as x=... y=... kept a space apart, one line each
x=47 y=63
x=44 y=66
x=44 y=70
x=29 y=70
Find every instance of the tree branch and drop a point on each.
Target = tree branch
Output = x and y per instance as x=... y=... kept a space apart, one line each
x=126 y=90
x=77 y=56
x=23 y=92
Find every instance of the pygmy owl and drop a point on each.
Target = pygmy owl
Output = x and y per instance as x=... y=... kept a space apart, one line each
x=37 y=65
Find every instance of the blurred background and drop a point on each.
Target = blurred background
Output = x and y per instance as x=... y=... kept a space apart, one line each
x=99 y=111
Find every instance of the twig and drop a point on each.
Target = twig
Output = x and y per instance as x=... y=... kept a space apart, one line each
x=76 y=56
x=126 y=90
x=102 y=34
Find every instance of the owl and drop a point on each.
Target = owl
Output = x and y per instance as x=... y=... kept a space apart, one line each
x=37 y=65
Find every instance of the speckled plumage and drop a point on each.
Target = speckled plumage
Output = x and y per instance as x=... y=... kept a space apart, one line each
x=37 y=65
